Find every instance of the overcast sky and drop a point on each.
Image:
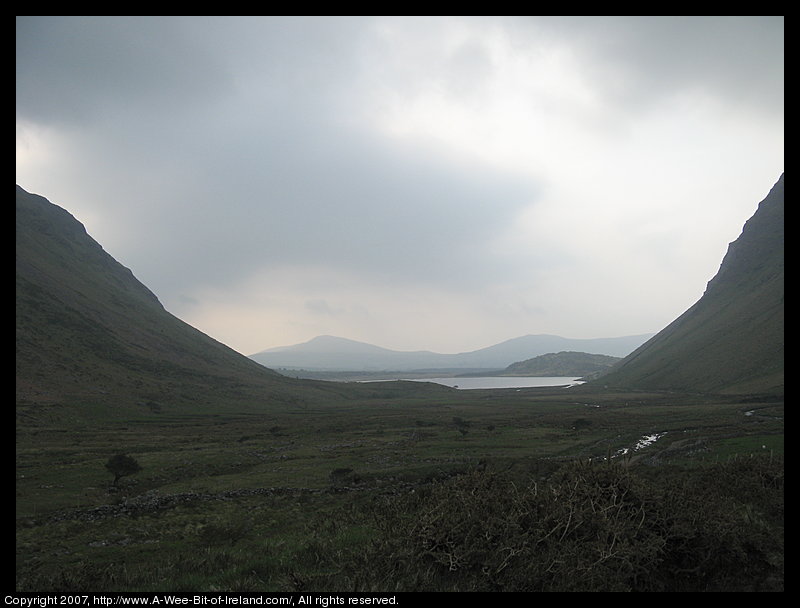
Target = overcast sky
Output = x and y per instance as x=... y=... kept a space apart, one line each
x=419 y=183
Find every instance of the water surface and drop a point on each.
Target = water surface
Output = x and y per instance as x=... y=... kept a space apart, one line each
x=503 y=381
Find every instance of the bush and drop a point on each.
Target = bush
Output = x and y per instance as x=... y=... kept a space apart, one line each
x=121 y=466
x=589 y=527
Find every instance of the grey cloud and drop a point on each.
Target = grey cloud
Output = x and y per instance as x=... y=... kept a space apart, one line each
x=358 y=206
x=232 y=145
x=77 y=69
x=218 y=146
x=637 y=60
x=320 y=306
x=74 y=69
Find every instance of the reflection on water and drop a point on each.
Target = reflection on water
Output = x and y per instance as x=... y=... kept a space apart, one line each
x=502 y=382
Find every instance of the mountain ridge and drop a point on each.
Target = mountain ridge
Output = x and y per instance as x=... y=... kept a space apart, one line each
x=329 y=343
x=331 y=353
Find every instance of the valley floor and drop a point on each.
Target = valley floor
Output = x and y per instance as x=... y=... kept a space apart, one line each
x=297 y=497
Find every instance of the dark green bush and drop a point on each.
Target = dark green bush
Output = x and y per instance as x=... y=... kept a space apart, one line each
x=122 y=465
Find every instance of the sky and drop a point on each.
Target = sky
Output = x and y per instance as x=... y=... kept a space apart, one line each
x=419 y=183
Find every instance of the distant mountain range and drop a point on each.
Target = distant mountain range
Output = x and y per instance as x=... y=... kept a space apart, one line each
x=330 y=353
x=731 y=340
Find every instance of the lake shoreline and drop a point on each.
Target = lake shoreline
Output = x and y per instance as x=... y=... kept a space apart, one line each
x=383 y=375
x=503 y=382
x=451 y=378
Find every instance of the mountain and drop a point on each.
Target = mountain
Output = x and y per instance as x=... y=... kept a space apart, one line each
x=561 y=364
x=331 y=353
x=525 y=347
x=731 y=340
x=334 y=353
x=91 y=338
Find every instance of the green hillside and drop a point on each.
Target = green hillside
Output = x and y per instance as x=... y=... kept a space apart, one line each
x=561 y=364
x=731 y=340
x=92 y=340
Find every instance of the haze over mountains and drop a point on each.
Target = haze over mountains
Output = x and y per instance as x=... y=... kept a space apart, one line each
x=330 y=353
x=732 y=339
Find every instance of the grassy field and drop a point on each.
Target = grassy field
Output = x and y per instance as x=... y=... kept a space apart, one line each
x=304 y=497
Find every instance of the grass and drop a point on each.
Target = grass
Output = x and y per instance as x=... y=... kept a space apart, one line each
x=247 y=502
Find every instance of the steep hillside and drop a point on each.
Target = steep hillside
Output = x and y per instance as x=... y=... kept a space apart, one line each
x=731 y=340
x=89 y=334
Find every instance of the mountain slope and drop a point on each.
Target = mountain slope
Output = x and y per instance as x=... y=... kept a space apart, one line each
x=89 y=333
x=731 y=340
x=331 y=353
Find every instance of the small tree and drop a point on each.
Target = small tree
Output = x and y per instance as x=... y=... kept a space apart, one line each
x=122 y=465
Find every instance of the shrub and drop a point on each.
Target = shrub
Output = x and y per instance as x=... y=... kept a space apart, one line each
x=121 y=466
x=589 y=527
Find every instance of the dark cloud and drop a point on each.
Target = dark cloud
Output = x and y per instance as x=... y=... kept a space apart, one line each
x=75 y=69
x=226 y=158
x=313 y=199
x=208 y=150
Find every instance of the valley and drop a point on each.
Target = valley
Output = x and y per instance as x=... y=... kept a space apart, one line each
x=666 y=473
x=349 y=310
x=286 y=499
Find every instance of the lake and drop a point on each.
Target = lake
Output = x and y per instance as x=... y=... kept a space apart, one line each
x=502 y=381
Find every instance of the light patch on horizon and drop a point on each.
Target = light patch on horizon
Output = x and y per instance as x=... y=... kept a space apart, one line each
x=343 y=305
